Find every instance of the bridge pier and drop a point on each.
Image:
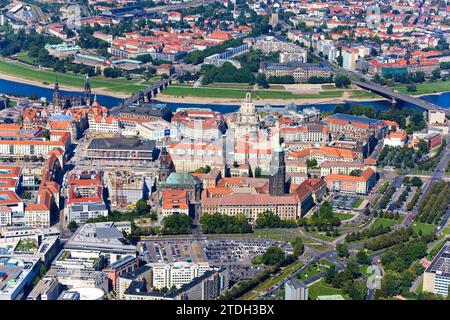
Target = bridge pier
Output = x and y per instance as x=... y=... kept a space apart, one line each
x=155 y=92
x=393 y=102
x=141 y=98
x=149 y=96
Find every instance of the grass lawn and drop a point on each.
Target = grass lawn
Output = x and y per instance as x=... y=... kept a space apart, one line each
x=23 y=57
x=426 y=88
x=240 y=93
x=71 y=79
x=420 y=287
x=364 y=270
x=269 y=283
x=321 y=288
x=361 y=94
x=328 y=87
x=424 y=227
x=357 y=203
x=311 y=271
x=344 y=216
x=257 y=260
x=326 y=262
x=385 y=222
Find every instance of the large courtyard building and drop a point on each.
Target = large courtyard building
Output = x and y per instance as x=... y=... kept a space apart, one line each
x=353 y=185
x=300 y=71
x=121 y=149
x=85 y=197
x=355 y=127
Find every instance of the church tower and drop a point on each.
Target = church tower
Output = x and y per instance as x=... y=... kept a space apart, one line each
x=87 y=91
x=247 y=118
x=277 y=170
x=57 y=103
x=166 y=166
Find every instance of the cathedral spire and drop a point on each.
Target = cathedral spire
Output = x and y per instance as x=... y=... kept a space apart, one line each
x=87 y=91
x=56 y=101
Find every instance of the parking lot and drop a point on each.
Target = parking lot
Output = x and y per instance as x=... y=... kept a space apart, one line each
x=237 y=254
x=172 y=250
x=343 y=202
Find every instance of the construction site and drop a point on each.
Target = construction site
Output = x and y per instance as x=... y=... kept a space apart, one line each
x=124 y=187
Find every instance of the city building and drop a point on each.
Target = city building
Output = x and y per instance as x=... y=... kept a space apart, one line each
x=115 y=270
x=183 y=181
x=340 y=167
x=295 y=289
x=121 y=149
x=436 y=278
x=355 y=127
x=85 y=197
x=176 y=273
x=103 y=238
x=345 y=184
x=247 y=118
x=208 y=286
x=188 y=155
x=17 y=273
x=174 y=202
x=396 y=139
x=157 y=130
x=300 y=71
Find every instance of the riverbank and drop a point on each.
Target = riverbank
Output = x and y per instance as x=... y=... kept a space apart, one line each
x=61 y=86
x=178 y=93
x=231 y=101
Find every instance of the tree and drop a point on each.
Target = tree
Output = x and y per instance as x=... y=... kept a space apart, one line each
x=273 y=255
x=411 y=88
x=341 y=81
x=356 y=289
x=141 y=207
x=72 y=226
x=416 y=182
x=355 y=172
x=390 y=284
x=298 y=246
x=257 y=172
x=342 y=251
x=177 y=224
x=362 y=257
x=261 y=81
x=390 y=29
x=330 y=273
x=311 y=163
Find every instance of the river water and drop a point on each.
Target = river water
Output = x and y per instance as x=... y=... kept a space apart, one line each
x=24 y=89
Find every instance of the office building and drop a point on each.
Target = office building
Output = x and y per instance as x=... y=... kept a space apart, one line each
x=295 y=289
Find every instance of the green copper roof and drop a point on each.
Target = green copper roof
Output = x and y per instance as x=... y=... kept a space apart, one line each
x=182 y=178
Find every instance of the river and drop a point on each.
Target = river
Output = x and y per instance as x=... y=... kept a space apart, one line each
x=24 y=89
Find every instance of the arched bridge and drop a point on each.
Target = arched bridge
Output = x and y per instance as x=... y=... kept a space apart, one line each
x=398 y=96
x=151 y=90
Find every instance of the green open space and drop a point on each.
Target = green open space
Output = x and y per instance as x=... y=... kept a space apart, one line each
x=321 y=288
x=212 y=92
x=311 y=271
x=357 y=203
x=269 y=283
x=385 y=222
x=426 y=87
x=70 y=79
x=344 y=216
x=426 y=228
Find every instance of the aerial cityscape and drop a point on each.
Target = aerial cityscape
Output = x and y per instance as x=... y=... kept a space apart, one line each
x=224 y=150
